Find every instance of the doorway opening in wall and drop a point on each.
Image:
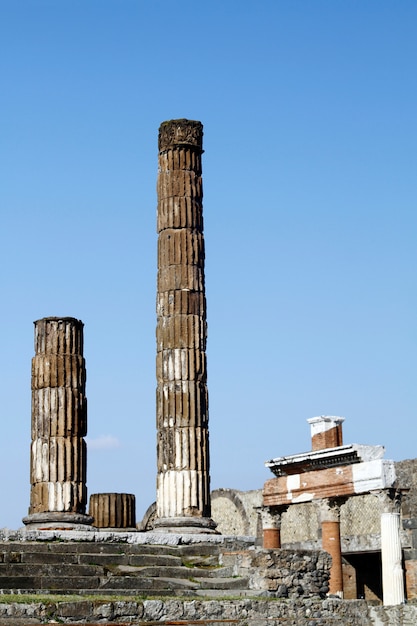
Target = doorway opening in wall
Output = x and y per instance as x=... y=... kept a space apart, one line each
x=362 y=576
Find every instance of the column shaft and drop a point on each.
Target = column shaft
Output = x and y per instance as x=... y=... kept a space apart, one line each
x=183 y=480
x=59 y=424
x=331 y=544
x=391 y=556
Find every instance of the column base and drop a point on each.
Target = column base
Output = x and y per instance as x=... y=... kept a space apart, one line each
x=54 y=520
x=185 y=525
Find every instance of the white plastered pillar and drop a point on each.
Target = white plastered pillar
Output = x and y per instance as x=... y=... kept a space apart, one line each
x=391 y=557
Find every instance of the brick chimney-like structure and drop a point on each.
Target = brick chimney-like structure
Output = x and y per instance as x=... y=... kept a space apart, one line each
x=326 y=432
x=183 y=480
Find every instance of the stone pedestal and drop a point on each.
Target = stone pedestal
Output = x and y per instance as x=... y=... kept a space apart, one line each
x=59 y=423
x=183 y=480
x=115 y=511
x=391 y=556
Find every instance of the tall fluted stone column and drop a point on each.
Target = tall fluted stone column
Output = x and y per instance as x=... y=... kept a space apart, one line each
x=183 y=480
x=58 y=495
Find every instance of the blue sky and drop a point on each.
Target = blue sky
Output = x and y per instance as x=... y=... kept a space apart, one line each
x=310 y=221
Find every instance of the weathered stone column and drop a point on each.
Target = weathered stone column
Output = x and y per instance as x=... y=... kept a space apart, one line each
x=59 y=423
x=330 y=529
x=183 y=481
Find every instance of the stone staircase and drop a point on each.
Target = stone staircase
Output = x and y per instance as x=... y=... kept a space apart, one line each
x=122 y=569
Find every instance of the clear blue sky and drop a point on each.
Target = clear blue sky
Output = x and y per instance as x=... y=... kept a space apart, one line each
x=309 y=113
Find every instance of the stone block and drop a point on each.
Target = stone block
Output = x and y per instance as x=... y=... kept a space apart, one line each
x=113 y=510
x=182 y=404
x=181 y=246
x=180 y=277
x=181 y=303
x=58 y=412
x=181 y=364
x=75 y=610
x=175 y=212
x=181 y=331
x=54 y=370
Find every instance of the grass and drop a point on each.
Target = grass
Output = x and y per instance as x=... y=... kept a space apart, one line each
x=56 y=598
x=49 y=598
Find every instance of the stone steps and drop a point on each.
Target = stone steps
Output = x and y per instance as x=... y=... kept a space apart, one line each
x=91 y=568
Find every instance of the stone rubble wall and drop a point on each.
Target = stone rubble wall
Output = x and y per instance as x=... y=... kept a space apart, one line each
x=243 y=612
x=284 y=573
x=407 y=478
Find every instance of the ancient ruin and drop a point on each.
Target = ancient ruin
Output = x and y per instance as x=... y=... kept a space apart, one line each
x=332 y=536
x=183 y=480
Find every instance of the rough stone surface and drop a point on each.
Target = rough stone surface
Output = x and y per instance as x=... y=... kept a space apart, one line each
x=407 y=479
x=244 y=612
x=287 y=573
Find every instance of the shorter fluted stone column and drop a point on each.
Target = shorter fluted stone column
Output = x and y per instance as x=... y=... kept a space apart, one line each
x=113 y=510
x=59 y=423
x=330 y=529
x=391 y=557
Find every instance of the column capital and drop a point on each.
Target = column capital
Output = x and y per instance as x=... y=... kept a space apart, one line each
x=390 y=499
x=182 y=132
x=329 y=508
x=271 y=516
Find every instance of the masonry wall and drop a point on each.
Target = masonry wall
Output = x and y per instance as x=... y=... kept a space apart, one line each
x=244 y=612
